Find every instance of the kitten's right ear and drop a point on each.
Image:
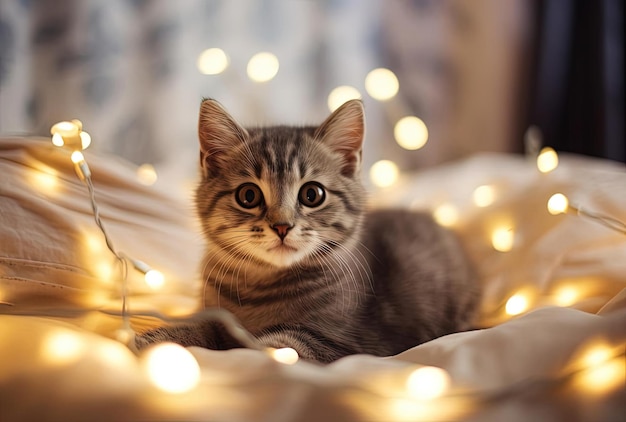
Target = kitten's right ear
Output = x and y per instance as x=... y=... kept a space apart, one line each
x=218 y=133
x=343 y=131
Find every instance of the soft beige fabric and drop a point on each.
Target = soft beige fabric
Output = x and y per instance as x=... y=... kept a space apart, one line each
x=516 y=370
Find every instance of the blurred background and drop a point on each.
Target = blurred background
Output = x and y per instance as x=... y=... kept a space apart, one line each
x=440 y=79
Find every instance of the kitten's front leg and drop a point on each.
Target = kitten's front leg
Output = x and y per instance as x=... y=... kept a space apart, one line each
x=207 y=334
x=309 y=345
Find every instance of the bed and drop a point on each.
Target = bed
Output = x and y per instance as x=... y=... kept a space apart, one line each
x=552 y=331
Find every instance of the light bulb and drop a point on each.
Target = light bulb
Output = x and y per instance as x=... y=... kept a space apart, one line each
x=547 y=160
x=558 y=204
x=484 y=196
x=77 y=157
x=427 y=383
x=212 y=61
x=410 y=133
x=171 y=368
x=384 y=173
x=262 y=67
x=154 y=279
x=146 y=174
x=381 y=84
x=566 y=296
x=446 y=215
x=502 y=239
x=62 y=347
x=57 y=140
x=516 y=304
x=341 y=95
x=285 y=355
x=85 y=140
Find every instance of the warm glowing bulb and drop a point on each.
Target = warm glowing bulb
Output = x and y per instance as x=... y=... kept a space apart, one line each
x=77 y=157
x=85 y=140
x=285 y=355
x=427 y=383
x=154 y=279
x=566 y=296
x=484 y=196
x=171 y=368
x=342 y=94
x=446 y=215
x=384 y=173
x=66 y=129
x=212 y=61
x=411 y=133
x=597 y=355
x=502 y=239
x=62 y=347
x=558 y=204
x=146 y=174
x=382 y=84
x=516 y=304
x=262 y=67
x=57 y=140
x=547 y=160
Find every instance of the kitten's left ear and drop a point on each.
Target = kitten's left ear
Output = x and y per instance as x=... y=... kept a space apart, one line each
x=218 y=133
x=343 y=131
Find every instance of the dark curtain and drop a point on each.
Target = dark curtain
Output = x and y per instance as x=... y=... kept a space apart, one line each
x=577 y=98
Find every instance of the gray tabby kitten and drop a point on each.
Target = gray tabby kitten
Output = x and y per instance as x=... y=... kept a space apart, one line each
x=294 y=254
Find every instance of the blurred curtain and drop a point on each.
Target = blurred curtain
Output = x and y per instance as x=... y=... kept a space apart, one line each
x=578 y=99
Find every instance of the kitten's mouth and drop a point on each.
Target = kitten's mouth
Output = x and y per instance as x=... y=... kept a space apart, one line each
x=281 y=247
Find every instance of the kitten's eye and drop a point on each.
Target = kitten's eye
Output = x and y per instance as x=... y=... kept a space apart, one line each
x=312 y=194
x=248 y=195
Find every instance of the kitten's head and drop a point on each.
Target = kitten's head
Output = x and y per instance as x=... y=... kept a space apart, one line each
x=280 y=195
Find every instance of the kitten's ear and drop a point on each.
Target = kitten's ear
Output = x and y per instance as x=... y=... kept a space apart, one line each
x=218 y=133
x=343 y=131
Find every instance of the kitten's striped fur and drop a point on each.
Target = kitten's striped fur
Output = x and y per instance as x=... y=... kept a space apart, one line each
x=293 y=254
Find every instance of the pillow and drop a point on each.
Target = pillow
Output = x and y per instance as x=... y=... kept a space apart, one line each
x=52 y=254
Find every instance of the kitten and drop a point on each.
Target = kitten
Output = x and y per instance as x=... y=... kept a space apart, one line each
x=294 y=254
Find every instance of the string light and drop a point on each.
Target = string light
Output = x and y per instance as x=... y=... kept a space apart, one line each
x=427 y=383
x=171 y=368
x=384 y=173
x=263 y=67
x=566 y=296
x=212 y=61
x=62 y=347
x=517 y=304
x=547 y=160
x=146 y=174
x=503 y=239
x=446 y=215
x=381 y=84
x=559 y=204
x=285 y=355
x=484 y=195
x=410 y=133
x=342 y=94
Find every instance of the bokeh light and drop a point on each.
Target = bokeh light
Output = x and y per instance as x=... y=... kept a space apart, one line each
x=62 y=347
x=154 y=279
x=503 y=238
x=384 y=173
x=342 y=94
x=146 y=174
x=285 y=355
x=263 y=67
x=381 y=84
x=172 y=368
x=212 y=61
x=446 y=215
x=517 y=304
x=484 y=196
x=411 y=133
x=558 y=204
x=427 y=383
x=547 y=160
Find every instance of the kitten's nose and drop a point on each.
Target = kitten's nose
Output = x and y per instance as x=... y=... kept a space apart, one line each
x=281 y=229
